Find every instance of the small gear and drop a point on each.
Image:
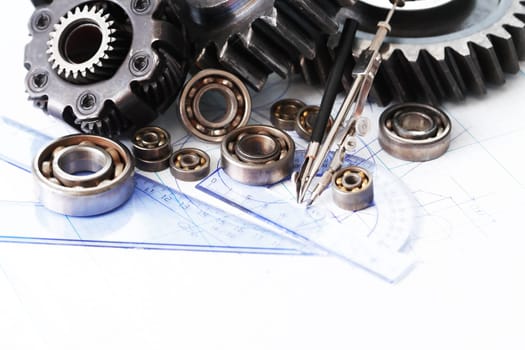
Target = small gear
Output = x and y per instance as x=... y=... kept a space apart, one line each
x=253 y=38
x=442 y=50
x=105 y=66
x=86 y=45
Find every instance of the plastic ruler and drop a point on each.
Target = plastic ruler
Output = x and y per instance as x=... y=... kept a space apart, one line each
x=156 y=217
x=370 y=238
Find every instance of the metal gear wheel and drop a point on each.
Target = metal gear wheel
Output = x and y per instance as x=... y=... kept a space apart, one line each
x=443 y=49
x=253 y=38
x=80 y=63
x=104 y=66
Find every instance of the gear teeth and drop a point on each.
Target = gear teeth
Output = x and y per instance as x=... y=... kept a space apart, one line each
x=470 y=73
x=316 y=71
x=506 y=52
x=240 y=61
x=446 y=85
x=487 y=60
x=272 y=58
x=518 y=38
x=453 y=69
x=103 y=65
x=280 y=28
x=315 y=14
x=255 y=38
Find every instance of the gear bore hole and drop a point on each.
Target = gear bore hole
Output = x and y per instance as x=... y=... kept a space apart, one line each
x=81 y=42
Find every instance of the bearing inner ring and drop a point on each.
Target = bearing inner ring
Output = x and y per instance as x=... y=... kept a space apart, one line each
x=71 y=164
x=189 y=161
x=351 y=181
x=258 y=149
x=236 y=97
x=231 y=106
x=414 y=125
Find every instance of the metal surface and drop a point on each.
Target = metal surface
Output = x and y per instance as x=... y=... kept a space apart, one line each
x=104 y=66
x=352 y=188
x=414 y=132
x=236 y=99
x=283 y=114
x=252 y=38
x=258 y=155
x=306 y=120
x=60 y=168
x=190 y=164
x=443 y=49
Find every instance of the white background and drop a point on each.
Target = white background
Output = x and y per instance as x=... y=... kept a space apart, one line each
x=467 y=292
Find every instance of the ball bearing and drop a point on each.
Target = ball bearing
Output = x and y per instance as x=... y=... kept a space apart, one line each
x=283 y=114
x=258 y=155
x=352 y=188
x=414 y=132
x=236 y=97
x=83 y=175
x=190 y=164
x=152 y=148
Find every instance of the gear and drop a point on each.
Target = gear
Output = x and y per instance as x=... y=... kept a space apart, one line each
x=86 y=45
x=253 y=38
x=443 y=49
x=109 y=65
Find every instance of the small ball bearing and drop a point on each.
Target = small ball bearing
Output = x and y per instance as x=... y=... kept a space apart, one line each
x=352 y=188
x=305 y=122
x=83 y=175
x=258 y=155
x=152 y=148
x=283 y=114
x=414 y=132
x=236 y=97
x=190 y=164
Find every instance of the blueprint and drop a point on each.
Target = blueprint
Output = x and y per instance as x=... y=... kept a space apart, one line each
x=442 y=196
x=155 y=217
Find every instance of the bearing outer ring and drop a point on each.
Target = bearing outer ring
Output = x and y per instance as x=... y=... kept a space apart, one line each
x=84 y=201
x=264 y=142
x=352 y=188
x=237 y=98
x=190 y=164
x=414 y=131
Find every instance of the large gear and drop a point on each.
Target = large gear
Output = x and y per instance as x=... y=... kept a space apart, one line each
x=253 y=38
x=104 y=66
x=442 y=50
